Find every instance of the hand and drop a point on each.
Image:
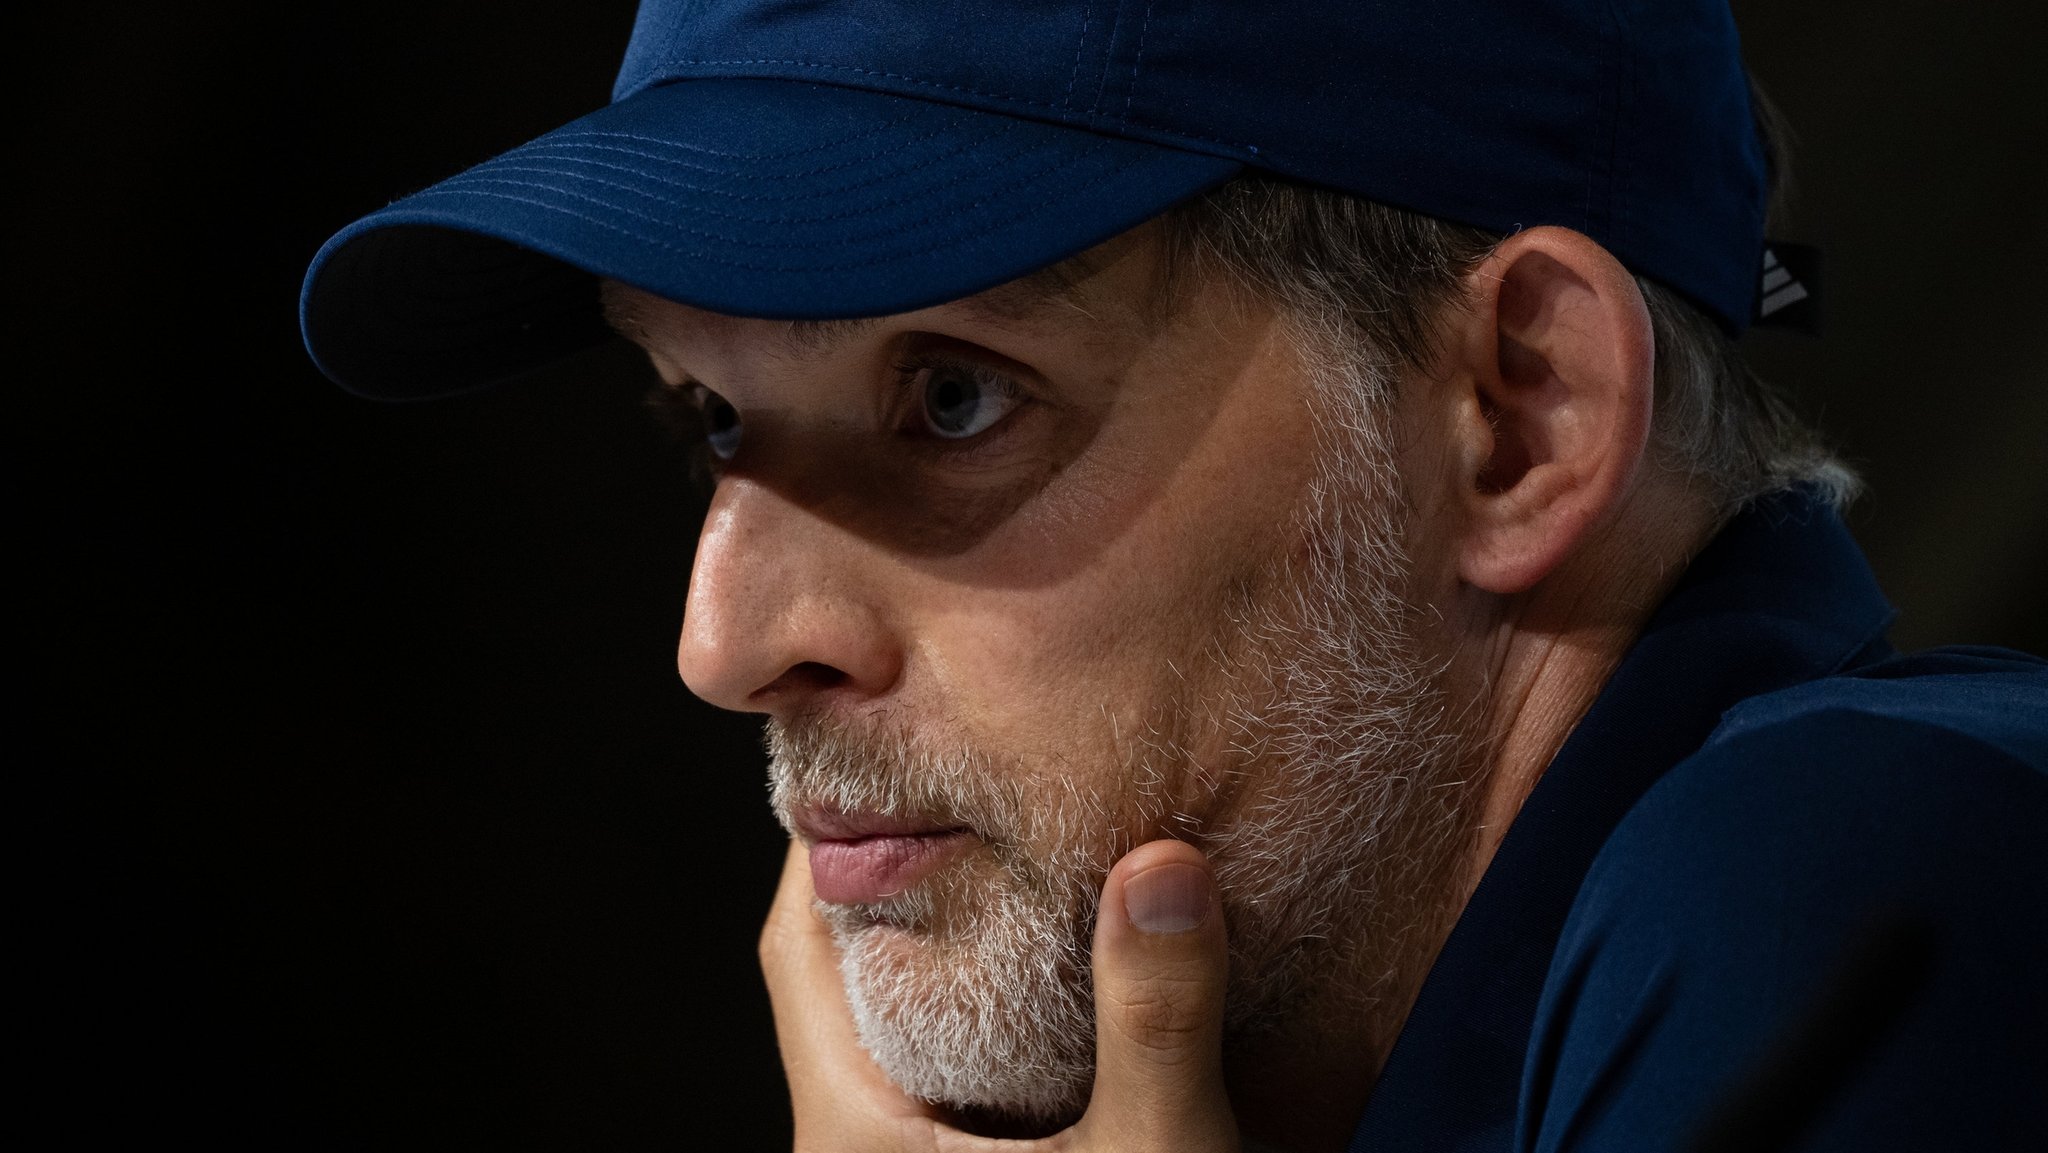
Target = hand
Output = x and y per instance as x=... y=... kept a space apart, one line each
x=1158 y=1025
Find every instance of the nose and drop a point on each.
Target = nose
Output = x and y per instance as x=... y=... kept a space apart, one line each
x=778 y=616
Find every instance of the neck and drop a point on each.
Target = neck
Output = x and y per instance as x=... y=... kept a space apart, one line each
x=1538 y=661
x=1532 y=665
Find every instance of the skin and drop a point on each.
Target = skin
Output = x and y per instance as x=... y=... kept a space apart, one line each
x=848 y=566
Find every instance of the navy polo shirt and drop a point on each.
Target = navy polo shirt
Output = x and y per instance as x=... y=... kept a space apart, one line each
x=1782 y=888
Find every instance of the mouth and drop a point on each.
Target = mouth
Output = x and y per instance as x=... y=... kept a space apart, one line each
x=864 y=858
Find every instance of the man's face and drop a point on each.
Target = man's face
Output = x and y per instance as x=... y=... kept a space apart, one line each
x=1025 y=580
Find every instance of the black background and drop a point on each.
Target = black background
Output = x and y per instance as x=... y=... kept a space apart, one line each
x=381 y=818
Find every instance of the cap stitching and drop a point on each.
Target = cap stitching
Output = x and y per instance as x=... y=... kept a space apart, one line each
x=1087 y=12
x=934 y=84
x=699 y=209
x=597 y=133
x=709 y=258
x=1131 y=90
x=868 y=158
x=490 y=173
x=450 y=188
x=691 y=63
x=677 y=182
x=1108 y=55
x=581 y=151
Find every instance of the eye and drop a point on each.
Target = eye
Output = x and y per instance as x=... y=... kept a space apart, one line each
x=721 y=422
x=959 y=401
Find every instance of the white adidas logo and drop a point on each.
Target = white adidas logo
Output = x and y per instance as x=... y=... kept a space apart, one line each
x=1780 y=289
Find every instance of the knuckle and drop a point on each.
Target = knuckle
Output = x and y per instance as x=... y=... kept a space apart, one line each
x=776 y=942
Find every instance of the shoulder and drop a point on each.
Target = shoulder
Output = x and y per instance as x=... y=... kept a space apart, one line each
x=1872 y=846
x=1899 y=774
x=1994 y=697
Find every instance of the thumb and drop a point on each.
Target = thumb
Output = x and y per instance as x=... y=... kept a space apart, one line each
x=1161 y=959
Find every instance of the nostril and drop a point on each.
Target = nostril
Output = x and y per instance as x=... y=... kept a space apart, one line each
x=805 y=677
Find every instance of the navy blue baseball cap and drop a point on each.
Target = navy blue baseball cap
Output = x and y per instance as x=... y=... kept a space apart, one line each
x=804 y=160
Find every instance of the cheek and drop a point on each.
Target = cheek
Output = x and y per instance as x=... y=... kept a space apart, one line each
x=1045 y=671
x=1082 y=637
x=1124 y=616
x=1104 y=697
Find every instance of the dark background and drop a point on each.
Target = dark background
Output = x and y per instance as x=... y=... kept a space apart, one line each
x=381 y=816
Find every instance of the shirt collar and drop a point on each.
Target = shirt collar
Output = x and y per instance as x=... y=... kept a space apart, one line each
x=1781 y=595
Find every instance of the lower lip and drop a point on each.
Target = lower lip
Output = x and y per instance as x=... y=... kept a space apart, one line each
x=869 y=869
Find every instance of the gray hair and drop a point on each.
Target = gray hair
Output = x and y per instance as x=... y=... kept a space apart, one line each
x=1366 y=285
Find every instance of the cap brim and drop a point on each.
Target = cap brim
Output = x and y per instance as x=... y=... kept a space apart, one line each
x=767 y=198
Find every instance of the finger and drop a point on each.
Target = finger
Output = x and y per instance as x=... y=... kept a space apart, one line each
x=1161 y=961
x=793 y=932
x=835 y=1088
x=797 y=959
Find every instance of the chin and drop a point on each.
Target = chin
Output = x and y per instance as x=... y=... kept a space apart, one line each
x=976 y=999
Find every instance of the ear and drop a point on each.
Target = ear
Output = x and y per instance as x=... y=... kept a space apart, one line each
x=1554 y=406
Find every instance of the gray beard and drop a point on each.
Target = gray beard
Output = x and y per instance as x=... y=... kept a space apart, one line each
x=974 y=991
